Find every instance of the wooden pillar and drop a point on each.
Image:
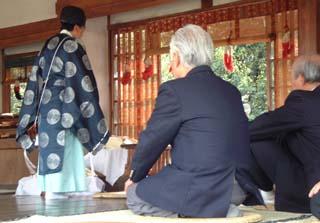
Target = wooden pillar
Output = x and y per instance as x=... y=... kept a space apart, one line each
x=2 y=73
x=206 y=4
x=309 y=26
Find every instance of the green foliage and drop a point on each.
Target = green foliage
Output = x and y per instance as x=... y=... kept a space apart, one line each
x=15 y=104
x=165 y=66
x=249 y=74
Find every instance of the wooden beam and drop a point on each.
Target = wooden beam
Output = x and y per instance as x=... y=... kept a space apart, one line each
x=1 y=64
x=28 y=33
x=2 y=70
x=38 y=31
x=110 y=72
x=309 y=26
x=96 y=8
x=206 y=4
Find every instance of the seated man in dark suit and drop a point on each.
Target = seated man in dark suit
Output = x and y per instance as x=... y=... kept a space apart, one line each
x=201 y=116
x=286 y=142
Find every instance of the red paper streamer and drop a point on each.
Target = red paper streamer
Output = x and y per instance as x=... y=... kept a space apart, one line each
x=228 y=60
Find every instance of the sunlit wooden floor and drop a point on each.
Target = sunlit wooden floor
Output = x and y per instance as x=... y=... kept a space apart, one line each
x=13 y=208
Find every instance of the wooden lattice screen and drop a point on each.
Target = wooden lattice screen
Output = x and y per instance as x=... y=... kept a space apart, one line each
x=262 y=21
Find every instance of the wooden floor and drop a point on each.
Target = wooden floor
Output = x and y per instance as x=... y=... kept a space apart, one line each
x=13 y=208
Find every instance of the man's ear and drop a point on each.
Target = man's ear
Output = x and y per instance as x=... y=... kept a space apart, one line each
x=301 y=79
x=176 y=59
x=76 y=28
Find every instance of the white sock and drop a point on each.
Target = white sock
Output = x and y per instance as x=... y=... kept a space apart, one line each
x=80 y=194
x=53 y=195
x=268 y=196
x=234 y=211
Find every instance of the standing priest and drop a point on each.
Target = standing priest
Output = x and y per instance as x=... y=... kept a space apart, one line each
x=62 y=102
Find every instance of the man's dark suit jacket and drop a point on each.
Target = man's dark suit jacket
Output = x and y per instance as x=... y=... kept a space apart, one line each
x=203 y=119
x=296 y=126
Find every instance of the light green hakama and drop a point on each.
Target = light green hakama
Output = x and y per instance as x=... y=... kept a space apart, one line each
x=72 y=177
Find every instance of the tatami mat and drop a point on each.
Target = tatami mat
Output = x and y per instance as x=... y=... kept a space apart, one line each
x=126 y=216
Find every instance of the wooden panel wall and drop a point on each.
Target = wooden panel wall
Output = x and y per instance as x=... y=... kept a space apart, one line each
x=12 y=165
x=309 y=26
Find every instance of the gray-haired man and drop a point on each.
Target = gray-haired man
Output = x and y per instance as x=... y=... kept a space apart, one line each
x=286 y=142
x=203 y=119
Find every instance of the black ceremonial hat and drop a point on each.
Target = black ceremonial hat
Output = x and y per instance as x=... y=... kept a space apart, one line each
x=73 y=15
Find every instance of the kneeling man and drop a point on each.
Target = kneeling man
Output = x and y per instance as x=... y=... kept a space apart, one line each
x=201 y=116
x=286 y=142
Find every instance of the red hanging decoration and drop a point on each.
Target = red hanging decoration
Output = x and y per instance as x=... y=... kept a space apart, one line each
x=227 y=59
x=126 y=77
x=148 y=72
x=287 y=46
x=16 y=90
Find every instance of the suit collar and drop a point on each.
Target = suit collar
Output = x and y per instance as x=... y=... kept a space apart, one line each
x=199 y=69
x=317 y=89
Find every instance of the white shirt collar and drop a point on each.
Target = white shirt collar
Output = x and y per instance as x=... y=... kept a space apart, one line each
x=64 y=31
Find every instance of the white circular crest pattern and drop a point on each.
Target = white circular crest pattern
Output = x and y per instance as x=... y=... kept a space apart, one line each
x=25 y=141
x=61 y=138
x=43 y=140
x=25 y=120
x=46 y=96
x=59 y=83
x=33 y=75
x=42 y=63
x=57 y=65
x=70 y=46
x=53 y=43
x=71 y=69
x=67 y=120
x=86 y=62
x=53 y=161
x=87 y=109
x=61 y=95
x=102 y=127
x=69 y=95
x=86 y=84
x=53 y=116
x=28 y=97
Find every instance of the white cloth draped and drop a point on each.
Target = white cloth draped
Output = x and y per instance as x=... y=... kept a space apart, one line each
x=110 y=162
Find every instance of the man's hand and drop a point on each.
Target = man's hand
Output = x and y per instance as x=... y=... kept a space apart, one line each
x=128 y=184
x=314 y=190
